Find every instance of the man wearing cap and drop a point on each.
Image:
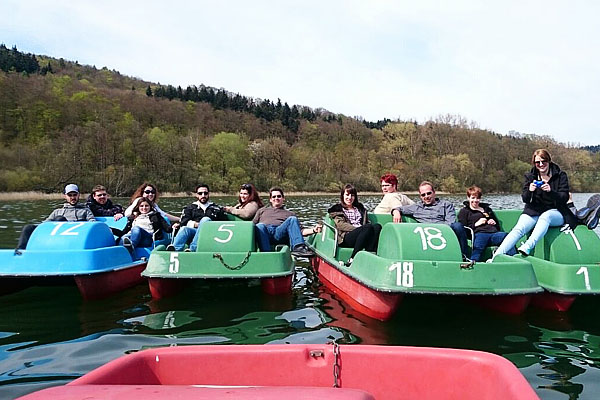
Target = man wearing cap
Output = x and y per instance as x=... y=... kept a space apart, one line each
x=71 y=211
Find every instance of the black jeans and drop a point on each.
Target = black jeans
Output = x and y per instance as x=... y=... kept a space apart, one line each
x=364 y=237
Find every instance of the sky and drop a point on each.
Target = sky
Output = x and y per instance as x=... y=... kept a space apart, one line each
x=531 y=67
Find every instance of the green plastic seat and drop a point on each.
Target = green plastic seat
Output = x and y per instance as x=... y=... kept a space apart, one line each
x=226 y=236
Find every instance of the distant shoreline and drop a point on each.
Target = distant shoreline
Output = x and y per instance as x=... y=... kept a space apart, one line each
x=8 y=196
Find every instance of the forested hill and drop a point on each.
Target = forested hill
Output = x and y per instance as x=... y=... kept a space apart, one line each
x=65 y=122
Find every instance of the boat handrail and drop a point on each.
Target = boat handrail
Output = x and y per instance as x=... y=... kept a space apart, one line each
x=335 y=237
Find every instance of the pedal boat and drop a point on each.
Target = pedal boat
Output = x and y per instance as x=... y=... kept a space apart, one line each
x=418 y=259
x=299 y=371
x=226 y=250
x=83 y=253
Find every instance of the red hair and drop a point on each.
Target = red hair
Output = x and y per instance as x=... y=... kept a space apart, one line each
x=391 y=179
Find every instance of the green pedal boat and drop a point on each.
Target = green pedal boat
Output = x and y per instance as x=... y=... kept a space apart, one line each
x=418 y=259
x=566 y=263
x=226 y=250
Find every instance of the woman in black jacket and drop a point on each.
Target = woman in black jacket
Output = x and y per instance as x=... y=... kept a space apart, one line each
x=483 y=222
x=545 y=194
x=352 y=223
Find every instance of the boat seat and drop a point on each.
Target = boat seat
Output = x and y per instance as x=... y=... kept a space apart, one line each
x=578 y=247
x=415 y=241
x=52 y=235
x=227 y=236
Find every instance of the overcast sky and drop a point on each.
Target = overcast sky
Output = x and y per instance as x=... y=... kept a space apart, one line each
x=526 y=66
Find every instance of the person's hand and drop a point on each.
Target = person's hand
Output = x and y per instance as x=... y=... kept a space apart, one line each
x=175 y=225
x=545 y=187
x=481 y=221
x=532 y=187
x=118 y=216
x=491 y=222
x=318 y=228
x=227 y=209
x=397 y=216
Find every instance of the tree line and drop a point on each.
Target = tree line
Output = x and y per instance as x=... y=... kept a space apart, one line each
x=76 y=123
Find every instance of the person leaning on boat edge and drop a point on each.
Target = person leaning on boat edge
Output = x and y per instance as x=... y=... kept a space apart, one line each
x=71 y=211
x=248 y=203
x=433 y=210
x=391 y=197
x=352 y=223
x=483 y=222
x=194 y=215
x=101 y=205
x=546 y=195
x=277 y=225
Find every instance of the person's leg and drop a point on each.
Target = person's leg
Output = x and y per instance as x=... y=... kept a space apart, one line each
x=136 y=235
x=351 y=241
x=25 y=235
x=183 y=237
x=497 y=238
x=523 y=226
x=145 y=239
x=290 y=228
x=263 y=237
x=194 y=244
x=480 y=242
x=548 y=218
x=374 y=237
x=459 y=230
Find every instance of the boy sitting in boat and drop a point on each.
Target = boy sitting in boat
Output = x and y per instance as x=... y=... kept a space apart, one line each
x=70 y=211
x=193 y=217
x=277 y=225
x=433 y=210
x=102 y=206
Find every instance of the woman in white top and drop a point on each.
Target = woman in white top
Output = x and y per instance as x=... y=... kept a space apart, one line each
x=150 y=192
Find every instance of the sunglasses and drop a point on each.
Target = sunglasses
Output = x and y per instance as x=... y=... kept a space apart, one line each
x=246 y=186
x=386 y=184
x=276 y=196
x=101 y=194
x=203 y=193
x=149 y=191
x=540 y=162
x=426 y=194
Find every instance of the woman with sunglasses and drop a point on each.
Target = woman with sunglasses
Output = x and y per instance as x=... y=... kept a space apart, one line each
x=248 y=203
x=150 y=192
x=545 y=194
x=353 y=225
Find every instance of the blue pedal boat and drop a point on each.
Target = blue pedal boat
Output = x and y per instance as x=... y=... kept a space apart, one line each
x=83 y=253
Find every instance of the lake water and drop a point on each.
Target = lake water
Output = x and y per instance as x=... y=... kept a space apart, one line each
x=49 y=336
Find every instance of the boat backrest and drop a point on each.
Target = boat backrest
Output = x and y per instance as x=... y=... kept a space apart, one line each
x=414 y=241
x=70 y=236
x=508 y=218
x=383 y=219
x=230 y=236
x=571 y=247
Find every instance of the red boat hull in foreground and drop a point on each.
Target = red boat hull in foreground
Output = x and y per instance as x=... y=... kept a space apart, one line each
x=382 y=305
x=299 y=372
x=98 y=286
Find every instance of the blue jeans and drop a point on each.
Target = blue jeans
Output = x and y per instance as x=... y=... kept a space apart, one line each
x=525 y=224
x=139 y=237
x=187 y=235
x=461 y=235
x=484 y=239
x=273 y=234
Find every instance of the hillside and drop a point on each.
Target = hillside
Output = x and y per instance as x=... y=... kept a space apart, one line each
x=66 y=122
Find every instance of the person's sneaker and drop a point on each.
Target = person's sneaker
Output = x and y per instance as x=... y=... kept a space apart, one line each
x=127 y=244
x=18 y=252
x=170 y=248
x=302 y=251
x=346 y=264
x=522 y=251
x=188 y=250
x=593 y=220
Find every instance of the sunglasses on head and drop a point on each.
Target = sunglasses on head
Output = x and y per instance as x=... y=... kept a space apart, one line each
x=203 y=193
x=149 y=191
x=246 y=186
x=276 y=196
x=426 y=194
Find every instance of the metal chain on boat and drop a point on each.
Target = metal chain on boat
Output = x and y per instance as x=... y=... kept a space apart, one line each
x=235 y=267
x=336 y=365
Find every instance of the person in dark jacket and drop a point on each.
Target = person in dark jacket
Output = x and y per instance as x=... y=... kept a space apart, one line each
x=102 y=206
x=143 y=226
x=545 y=194
x=352 y=223
x=483 y=222
x=193 y=217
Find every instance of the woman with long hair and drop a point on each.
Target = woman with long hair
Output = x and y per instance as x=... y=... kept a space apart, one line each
x=248 y=203
x=545 y=194
x=148 y=191
x=353 y=225
x=143 y=225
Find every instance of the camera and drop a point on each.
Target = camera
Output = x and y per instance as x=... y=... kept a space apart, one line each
x=538 y=183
